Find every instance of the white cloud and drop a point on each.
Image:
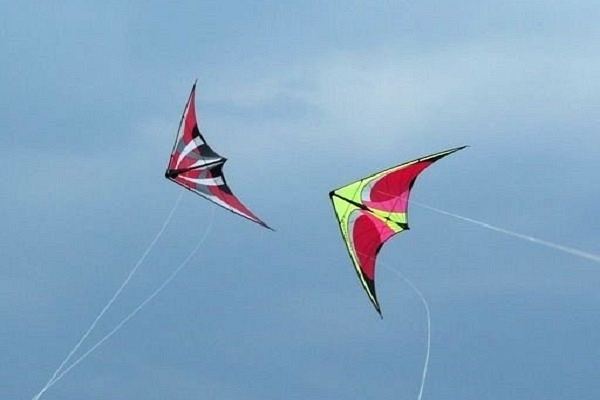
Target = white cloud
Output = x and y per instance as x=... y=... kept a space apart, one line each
x=388 y=97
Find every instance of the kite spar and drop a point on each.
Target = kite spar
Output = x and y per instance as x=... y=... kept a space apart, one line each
x=373 y=209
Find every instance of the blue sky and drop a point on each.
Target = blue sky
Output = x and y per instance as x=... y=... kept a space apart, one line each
x=302 y=97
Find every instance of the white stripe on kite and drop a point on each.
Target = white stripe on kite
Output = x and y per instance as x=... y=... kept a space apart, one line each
x=220 y=202
x=193 y=144
x=205 y=160
x=218 y=181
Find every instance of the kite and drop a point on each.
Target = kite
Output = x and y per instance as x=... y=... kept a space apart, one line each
x=198 y=168
x=373 y=209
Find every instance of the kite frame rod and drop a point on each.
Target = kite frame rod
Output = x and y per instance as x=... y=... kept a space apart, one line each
x=367 y=209
x=208 y=165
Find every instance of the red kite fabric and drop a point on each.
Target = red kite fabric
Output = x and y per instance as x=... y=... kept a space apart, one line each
x=197 y=167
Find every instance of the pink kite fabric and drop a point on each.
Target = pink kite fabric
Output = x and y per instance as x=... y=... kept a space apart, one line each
x=373 y=209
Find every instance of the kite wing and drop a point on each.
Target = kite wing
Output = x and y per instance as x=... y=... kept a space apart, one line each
x=197 y=167
x=373 y=209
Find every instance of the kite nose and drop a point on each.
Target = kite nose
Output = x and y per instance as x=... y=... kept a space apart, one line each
x=171 y=174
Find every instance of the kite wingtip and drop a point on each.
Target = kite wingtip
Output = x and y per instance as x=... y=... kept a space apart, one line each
x=264 y=225
x=454 y=150
x=378 y=308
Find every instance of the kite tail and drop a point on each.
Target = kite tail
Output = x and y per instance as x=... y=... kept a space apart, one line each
x=112 y=300
x=136 y=310
x=559 y=247
x=426 y=306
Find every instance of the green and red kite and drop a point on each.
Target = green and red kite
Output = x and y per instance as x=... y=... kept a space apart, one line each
x=373 y=209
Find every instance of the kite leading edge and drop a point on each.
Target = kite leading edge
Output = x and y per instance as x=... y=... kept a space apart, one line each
x=198 y=168
x=373 y=209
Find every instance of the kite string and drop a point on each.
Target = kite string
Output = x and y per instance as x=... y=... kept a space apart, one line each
x=556 y=246
x=137 y=309
x=426 y=306
x=113 y=298
x=427 y=314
